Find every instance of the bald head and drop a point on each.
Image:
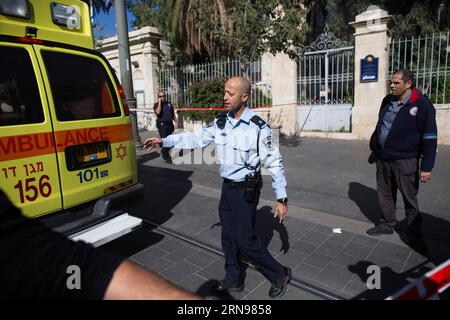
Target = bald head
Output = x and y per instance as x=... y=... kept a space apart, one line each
x=241 y=84
x=237 y=93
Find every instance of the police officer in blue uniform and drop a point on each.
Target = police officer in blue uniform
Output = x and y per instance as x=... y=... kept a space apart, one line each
x=243 y=141
x=166 y=121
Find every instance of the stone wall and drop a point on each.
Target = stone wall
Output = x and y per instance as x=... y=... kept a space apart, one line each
x=443 y=124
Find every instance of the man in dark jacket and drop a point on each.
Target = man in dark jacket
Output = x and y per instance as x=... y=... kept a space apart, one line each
x=404 y=148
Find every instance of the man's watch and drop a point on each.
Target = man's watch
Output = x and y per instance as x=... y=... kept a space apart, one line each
x=283 y=200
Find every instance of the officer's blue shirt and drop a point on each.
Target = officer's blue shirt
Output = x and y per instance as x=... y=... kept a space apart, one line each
x=167 y=112
x=237 y=148
x=389 y=117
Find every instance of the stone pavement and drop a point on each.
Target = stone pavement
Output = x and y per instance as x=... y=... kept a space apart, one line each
x=330 y=185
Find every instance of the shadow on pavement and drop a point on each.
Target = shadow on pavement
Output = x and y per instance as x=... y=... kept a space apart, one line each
x=433 y=240
x=389 y=282
x=133 y=242
x=265 y=226
x=366 y=199
x=156 y=204
x=290 y=142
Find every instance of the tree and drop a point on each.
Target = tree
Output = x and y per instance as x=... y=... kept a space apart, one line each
x=101 y=6
x=204 y=30
x=146 y=12
x=411 y=17
x=182 y=22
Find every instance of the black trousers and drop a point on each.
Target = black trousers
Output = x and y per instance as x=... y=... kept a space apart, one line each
x=393 y=175
x=165 y=129
x=237 y=218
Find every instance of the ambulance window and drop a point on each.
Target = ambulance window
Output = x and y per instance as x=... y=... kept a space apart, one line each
x=81 y=87
x=20 y=102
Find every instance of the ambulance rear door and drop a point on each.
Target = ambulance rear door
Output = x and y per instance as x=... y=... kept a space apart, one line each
x=95 y=147
x=28 y=163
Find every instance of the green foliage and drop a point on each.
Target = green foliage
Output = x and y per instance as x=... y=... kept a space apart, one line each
x=146 y=12
x=205 y=94
x=443 y=90
x=100 y=6
x=411 y=17
x=205 y=30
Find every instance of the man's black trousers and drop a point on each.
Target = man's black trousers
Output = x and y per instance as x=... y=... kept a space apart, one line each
x=237 y=218
x=165 y=129
x=393 y=175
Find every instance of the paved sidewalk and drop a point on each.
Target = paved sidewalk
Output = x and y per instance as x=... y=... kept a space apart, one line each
x=330 y=185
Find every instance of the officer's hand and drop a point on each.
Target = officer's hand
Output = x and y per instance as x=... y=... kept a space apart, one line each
x=280 y=211
x=425 y=176
x=151 y=143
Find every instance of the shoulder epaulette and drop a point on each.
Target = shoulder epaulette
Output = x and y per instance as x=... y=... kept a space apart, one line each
x=221 y=120
x=221 y=115
x=258 y=121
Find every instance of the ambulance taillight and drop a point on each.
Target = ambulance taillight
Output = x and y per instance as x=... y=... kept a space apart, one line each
x=124 y=101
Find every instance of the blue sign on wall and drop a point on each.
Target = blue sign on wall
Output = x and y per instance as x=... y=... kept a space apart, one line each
x=369 y=69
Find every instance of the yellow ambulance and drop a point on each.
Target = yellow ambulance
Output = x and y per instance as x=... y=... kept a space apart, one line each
x=66 y=142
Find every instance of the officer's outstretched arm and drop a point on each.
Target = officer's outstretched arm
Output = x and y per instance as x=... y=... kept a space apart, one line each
x=191 y=140
x=271 y=158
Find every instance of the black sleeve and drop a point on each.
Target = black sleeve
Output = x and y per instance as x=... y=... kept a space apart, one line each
x=34 y=261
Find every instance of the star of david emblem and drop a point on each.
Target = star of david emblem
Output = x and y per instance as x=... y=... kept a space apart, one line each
x=121 y=152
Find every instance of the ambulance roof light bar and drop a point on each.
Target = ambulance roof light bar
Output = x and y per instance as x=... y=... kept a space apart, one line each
x=15 y=8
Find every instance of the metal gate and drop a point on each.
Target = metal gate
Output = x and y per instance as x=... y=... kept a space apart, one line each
x=325 y=84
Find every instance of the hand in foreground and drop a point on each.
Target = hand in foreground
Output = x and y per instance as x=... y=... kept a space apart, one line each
x=152 y=143
x=280 y=211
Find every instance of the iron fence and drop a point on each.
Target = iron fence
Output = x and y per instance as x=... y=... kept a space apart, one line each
x=427 y=58
x=176 y=82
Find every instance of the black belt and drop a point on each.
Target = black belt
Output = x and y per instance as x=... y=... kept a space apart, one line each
x=234 y=184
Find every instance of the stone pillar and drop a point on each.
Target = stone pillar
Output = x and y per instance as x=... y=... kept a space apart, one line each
x=371 y=37
x=144 y=49
x=282 y=75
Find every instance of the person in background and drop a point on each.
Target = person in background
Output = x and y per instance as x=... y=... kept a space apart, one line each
x=403 y=147
x=166 y=121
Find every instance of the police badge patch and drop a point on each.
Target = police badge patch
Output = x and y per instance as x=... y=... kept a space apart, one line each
x=413 y=111
x=268 y=142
